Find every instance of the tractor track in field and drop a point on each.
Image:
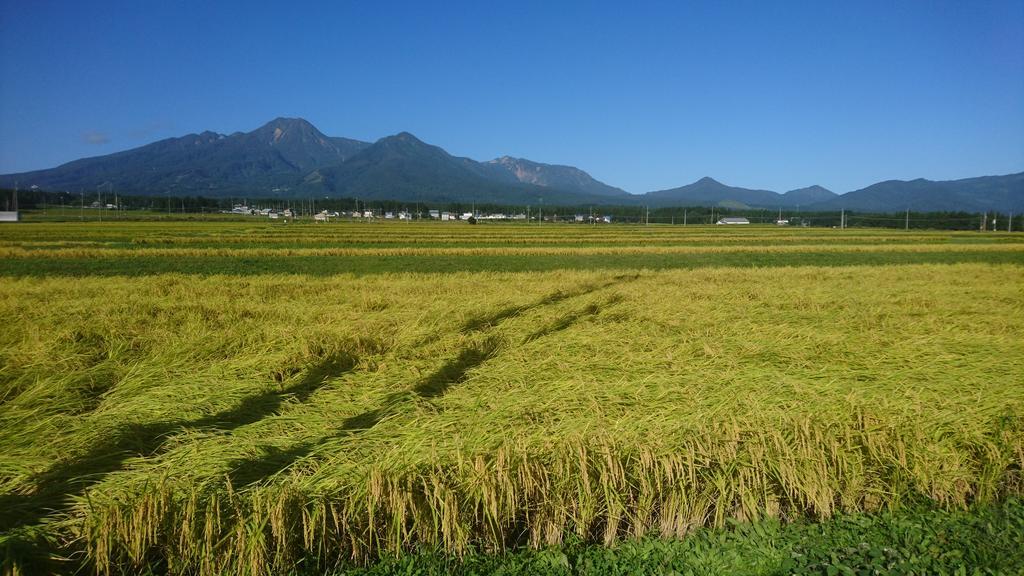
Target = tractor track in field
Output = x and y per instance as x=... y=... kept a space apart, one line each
x=273 y=460
x=492 y=320
x=57 y=485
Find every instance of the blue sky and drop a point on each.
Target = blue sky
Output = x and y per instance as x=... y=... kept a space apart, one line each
x=643 y=95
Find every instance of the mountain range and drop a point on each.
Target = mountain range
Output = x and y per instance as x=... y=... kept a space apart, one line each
x=289 y=157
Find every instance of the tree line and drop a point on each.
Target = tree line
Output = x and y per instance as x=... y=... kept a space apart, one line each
x=676 y=215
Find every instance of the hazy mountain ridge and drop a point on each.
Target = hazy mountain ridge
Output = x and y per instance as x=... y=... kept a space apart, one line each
x=404 y=167
x=808 y=196
x=1005 y=193
x=289 y=157
x=275 y=155
x=709 y=192
x=556 y=176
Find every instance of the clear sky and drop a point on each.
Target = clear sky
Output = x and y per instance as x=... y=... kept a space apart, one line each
x=643 y=95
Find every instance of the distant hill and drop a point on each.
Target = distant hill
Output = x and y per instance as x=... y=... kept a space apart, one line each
x=807 y=196
x=289 y=157
x=710 y=192
x=556 y=176
x=1004 y=193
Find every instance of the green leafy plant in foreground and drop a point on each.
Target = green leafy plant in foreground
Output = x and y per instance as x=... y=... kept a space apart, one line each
x=983 y=540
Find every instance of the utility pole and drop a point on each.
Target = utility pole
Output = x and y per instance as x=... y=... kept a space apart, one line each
x=684 y=217
x=906 y=226
x=1009 y=224
x=842 y=219
x=984 y=216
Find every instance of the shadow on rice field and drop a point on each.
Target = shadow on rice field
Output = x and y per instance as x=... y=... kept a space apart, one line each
x=51 y=490
x=273 y=460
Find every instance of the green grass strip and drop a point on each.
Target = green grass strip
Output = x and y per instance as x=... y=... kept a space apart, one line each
x=370 y=265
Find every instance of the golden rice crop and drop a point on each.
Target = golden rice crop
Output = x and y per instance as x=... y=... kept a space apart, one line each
x=263 y=232
x=242 y=425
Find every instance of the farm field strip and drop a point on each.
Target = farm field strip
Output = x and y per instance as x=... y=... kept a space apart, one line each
x=391 y=243
x=259 y=232
x=83 y=252
x=321 y=266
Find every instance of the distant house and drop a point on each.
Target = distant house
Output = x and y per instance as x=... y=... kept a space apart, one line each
x=435 y=213
x=781 y=222
x=9 y=216
x=733 y=221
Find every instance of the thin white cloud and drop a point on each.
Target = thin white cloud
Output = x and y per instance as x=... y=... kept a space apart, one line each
x=93 y=137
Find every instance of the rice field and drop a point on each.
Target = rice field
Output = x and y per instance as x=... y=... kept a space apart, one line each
x=184 y=398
